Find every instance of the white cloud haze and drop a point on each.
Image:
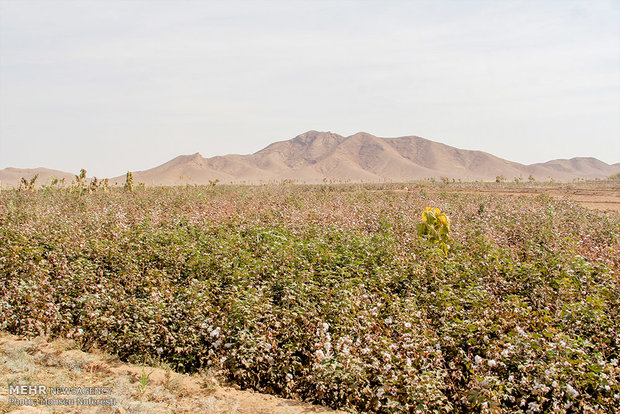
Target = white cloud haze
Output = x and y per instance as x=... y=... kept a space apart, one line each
x=126 y=85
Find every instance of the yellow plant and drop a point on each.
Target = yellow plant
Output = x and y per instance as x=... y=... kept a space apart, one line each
x=435 y=227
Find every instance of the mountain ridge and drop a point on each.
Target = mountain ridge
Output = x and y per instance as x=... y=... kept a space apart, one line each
x=12 y=176
x=314 y=156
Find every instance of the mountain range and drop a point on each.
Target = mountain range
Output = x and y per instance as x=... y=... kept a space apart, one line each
x=315 y=157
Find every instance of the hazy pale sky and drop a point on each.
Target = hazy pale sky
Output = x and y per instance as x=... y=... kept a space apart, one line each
x=113 y=86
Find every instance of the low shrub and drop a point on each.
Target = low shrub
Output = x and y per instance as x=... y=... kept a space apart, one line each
x=329 y=296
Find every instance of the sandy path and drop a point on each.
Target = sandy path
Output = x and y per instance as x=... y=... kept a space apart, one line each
x=60 y=364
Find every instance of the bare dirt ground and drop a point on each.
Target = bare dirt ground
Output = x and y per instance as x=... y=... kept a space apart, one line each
x=603 y=199
x=132 y=388
x=603 y=196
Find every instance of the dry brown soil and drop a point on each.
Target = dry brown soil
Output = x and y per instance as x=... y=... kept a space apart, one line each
x=602 y=197
x=134 y=388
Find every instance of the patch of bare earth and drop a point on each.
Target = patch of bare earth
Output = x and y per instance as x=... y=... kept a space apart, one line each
x=131 y=388
x=605 y=199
